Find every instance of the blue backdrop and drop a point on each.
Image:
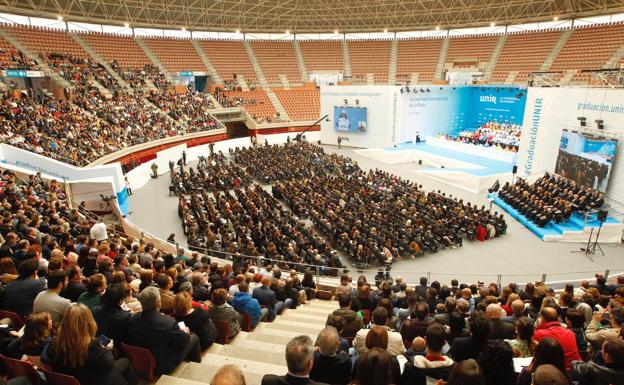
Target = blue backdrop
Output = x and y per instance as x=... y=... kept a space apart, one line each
x=431 y=110
x=350 y=119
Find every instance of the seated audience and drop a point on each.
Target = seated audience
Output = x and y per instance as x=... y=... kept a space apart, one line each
x=611 y=372
x=195 y=318
x=96 y=285
x=243 y=302
x=112 y=320
x=548 y=352
x=550 y=327
x=496 y=362
x=223 y=311
x=20 y=294
x=50 y=301
x=433 y=364
x=76 y=351
x=353 y=322
x=470 y=347
x=228 y=375
x=161 y=335
x=395 y=341
x=37 y=334
x=300 y=360
x=330 y=365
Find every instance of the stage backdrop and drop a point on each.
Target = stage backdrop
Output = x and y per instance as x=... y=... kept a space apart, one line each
x=432 y=110
x=550 y=110
x=370 y=118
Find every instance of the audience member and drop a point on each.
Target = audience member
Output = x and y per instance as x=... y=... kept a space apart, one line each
x=299 y=360
x=161 y=335
x=330 y=366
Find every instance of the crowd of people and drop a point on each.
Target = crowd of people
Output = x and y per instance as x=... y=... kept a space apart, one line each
x=71 y=282
x=138 y=78
x=13 y=59
x=191 y=108
x=375 y=217
x=550 y=198
x=465 y=335
x=213 y=173
x=80 y=71
x=502 y=136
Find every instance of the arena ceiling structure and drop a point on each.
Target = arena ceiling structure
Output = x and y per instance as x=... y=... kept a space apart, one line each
x=311 y=16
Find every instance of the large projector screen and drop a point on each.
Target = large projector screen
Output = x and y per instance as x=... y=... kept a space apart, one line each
x=586 y=159
x=350 y=119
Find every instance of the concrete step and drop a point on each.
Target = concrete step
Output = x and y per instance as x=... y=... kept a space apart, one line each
x=259 y=345
x=299 y=327
x=313 y=310
x=243 y=352
x=311 y=319
x=319 y=303
x=169 y=380
x=243 y=364
x=203 y=373
x=275 y=336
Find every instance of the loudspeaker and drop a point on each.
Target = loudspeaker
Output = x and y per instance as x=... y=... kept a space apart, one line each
x=319 y=142
x=602 y=215
x=419 y=162
x=514 y=170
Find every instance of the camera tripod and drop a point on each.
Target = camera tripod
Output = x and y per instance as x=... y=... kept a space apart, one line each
x=590 y=248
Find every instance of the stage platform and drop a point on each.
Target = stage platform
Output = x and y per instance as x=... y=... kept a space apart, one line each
x=469 y=172
x=575 y=229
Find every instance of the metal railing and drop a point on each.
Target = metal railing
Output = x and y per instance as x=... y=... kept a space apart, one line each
x=412 y=277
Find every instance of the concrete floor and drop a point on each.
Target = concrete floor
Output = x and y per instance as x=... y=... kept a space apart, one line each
x=518 y=256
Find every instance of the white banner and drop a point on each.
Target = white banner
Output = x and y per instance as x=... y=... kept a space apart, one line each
x=550 y=110
x=382 y=115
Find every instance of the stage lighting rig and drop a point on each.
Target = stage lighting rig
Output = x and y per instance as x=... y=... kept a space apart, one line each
x=599 y=124
x=346 y=102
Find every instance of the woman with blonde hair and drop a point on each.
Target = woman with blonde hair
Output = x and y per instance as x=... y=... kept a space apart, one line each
x=195 y=318
x=76 y=352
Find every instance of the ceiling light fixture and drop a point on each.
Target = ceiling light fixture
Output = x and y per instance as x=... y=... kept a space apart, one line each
x=60 y=18
x=126 y=25
x=238 y=31
x=492 y=24
x=556 y=18
x=385 y=31
x=287 y=32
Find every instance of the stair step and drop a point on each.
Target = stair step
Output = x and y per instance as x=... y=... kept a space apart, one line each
x=259 y=345
x=243 y=364
x=299 y=327
x=169 y=380
x=314 y=319
x=203 y=373
x=313 y=310
x=243 y=352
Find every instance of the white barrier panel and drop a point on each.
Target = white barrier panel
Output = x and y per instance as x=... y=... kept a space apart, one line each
x=550 y=110
x=383 y=112
x=482 y=151
x=311 y=136
x=59 y=170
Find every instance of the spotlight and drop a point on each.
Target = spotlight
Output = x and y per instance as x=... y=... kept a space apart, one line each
x=582 y=121
x=385 y=31
x=127 y=25
x=492 y=24
x=336 y=32
x=237 y=31
x=556 y=18
x=437 y=28
x=183 y=29
x=357 y=102
x=60 y=18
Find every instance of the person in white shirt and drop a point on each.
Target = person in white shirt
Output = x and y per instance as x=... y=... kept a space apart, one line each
x=379 y=317
x=98 y=232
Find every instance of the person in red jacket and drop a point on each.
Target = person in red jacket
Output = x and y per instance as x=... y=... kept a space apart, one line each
x=481 y=232
x=550 y=327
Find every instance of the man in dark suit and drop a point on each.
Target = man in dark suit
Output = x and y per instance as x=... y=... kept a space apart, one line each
x=421 y=290
x=113 y=321
x=20 y=294
x=330 y=366
x=469 y=347
x=266 y=297
x=300 y=360
x=449 y=306
x=161 y=335
x=499 y=329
